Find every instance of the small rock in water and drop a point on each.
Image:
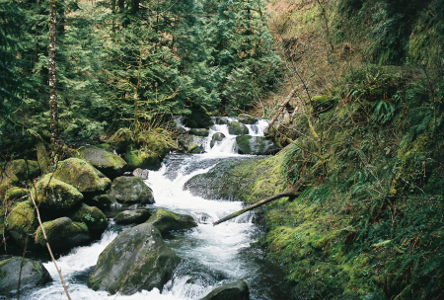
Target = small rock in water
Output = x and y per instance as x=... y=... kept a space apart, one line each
x=141 y=173
x=234 y=291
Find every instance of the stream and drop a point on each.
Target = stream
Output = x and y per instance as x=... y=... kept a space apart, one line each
x=212 y=255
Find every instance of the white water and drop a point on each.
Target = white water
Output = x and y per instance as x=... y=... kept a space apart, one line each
x=212 y=255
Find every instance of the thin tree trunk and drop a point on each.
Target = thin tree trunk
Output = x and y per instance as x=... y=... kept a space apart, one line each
x=281 y=108
x=52 y=74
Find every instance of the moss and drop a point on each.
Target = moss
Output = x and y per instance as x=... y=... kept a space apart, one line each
x=21 y=222
x=121 y=139
x=92 y=217
x=140 y=159
x=61 y=233
x=14 y=194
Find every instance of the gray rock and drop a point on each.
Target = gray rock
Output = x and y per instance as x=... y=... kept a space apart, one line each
x=237 y=128
x=234 y=291
x=257 y=145
x=106 y=162
x=167 y=221
x=199 y=131
x=130 y=190
x=141 y=173
x=221 y=120
x=137 y=259
x=132 y=216
x=33 y=274
x=92 y=217
x=217 y=137
x=247 y=119
x=188 y=140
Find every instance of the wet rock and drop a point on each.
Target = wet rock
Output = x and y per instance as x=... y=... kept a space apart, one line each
x=221 y=121
x=137 y=159
x=130 y=190
x=82 y=176
x=137 y=259
x=62 y=233
x=199 y=131
x=101 y=201
x=21 y=222
x=197 y=119
x=141 y=173
x=132 y=216
x=257 y=145
x=92 y=217
x=54 y=195
x=33 y=274
x=237 y=128
x=189 y=140
x=217 y=137
x=167 y=221
x=234 y=291
x=247 y=119
x=195 y=149
x=110 y=164
x=121 y=139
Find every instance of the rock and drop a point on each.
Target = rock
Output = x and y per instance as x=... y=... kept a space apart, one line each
x=21 y=222
x=138 y=159
x=54 y=195
x=167 y=221
x=217 y=137
x=16 y=171
x=121 y=139
x=82 y=176
x=137 y=259
x=237 y=128
x=33 y=274
x=132 y=216
x=141 y=173
x=195 y=149
x=16 y=194
x=129 y=190
x=106 y=147
x=199 y=131
x=246 y=119
x=110 y=164
x=101 y=201
x=188 y=140
x=257 y=145
x=234 y=291
x=62 y=234
x=221 y=121
x=197 y=119
x=92 y=217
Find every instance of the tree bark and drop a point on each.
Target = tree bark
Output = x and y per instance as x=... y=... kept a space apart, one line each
x=281 y=108
x=292 y=192
x=52 y=74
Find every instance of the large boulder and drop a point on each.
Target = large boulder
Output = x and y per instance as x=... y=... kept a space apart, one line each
x=234 y=291
x=197 y=119
x=247 y=119
x=257 y=145
x=130 y=190
x=16 y=171
x=167 y=221
x=62 y=234
x=199 y=131
x=121 y=139
x=106 y=162
x=189 y=140
x=221 y=120
x=237 y=128
x=132 y=216
x=137 y=259
x=32 y=274
x=21 y=222
x=82 y=176
x=15 y=194
x=92 y=217
x=54 y=195
x=140 y=159
x=217 y=137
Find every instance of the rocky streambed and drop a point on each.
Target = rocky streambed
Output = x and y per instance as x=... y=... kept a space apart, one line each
x=142 y=237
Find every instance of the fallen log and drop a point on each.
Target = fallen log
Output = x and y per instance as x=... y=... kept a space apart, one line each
x=292 y=192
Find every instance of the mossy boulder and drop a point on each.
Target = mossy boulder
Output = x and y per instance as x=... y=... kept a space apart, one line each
x=110 y=164
x=217 y=137
x=221 y=121
x=130 y=190
x=92 y=217
x=21 y=222
x=137 y=259
x=167 y=221
x=188 y=140
x=33 y=274
x=132 y=216
x=106 y=147
x=233 y=291
x=121 y=139
x=17 y=171
x=82 y=176
x=62 y=234
x=102 y=201
x=54 y=195
x=140 y=159
x=199 y=131
x=197 y=119
x=194 y=149
x=16 y=194
x=237 y=128
x=247 y=119
x=257 y=145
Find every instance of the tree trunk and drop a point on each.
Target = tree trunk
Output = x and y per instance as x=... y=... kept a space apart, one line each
x=52 y=74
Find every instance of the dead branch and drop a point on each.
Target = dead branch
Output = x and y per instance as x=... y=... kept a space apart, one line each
x=281 y=108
